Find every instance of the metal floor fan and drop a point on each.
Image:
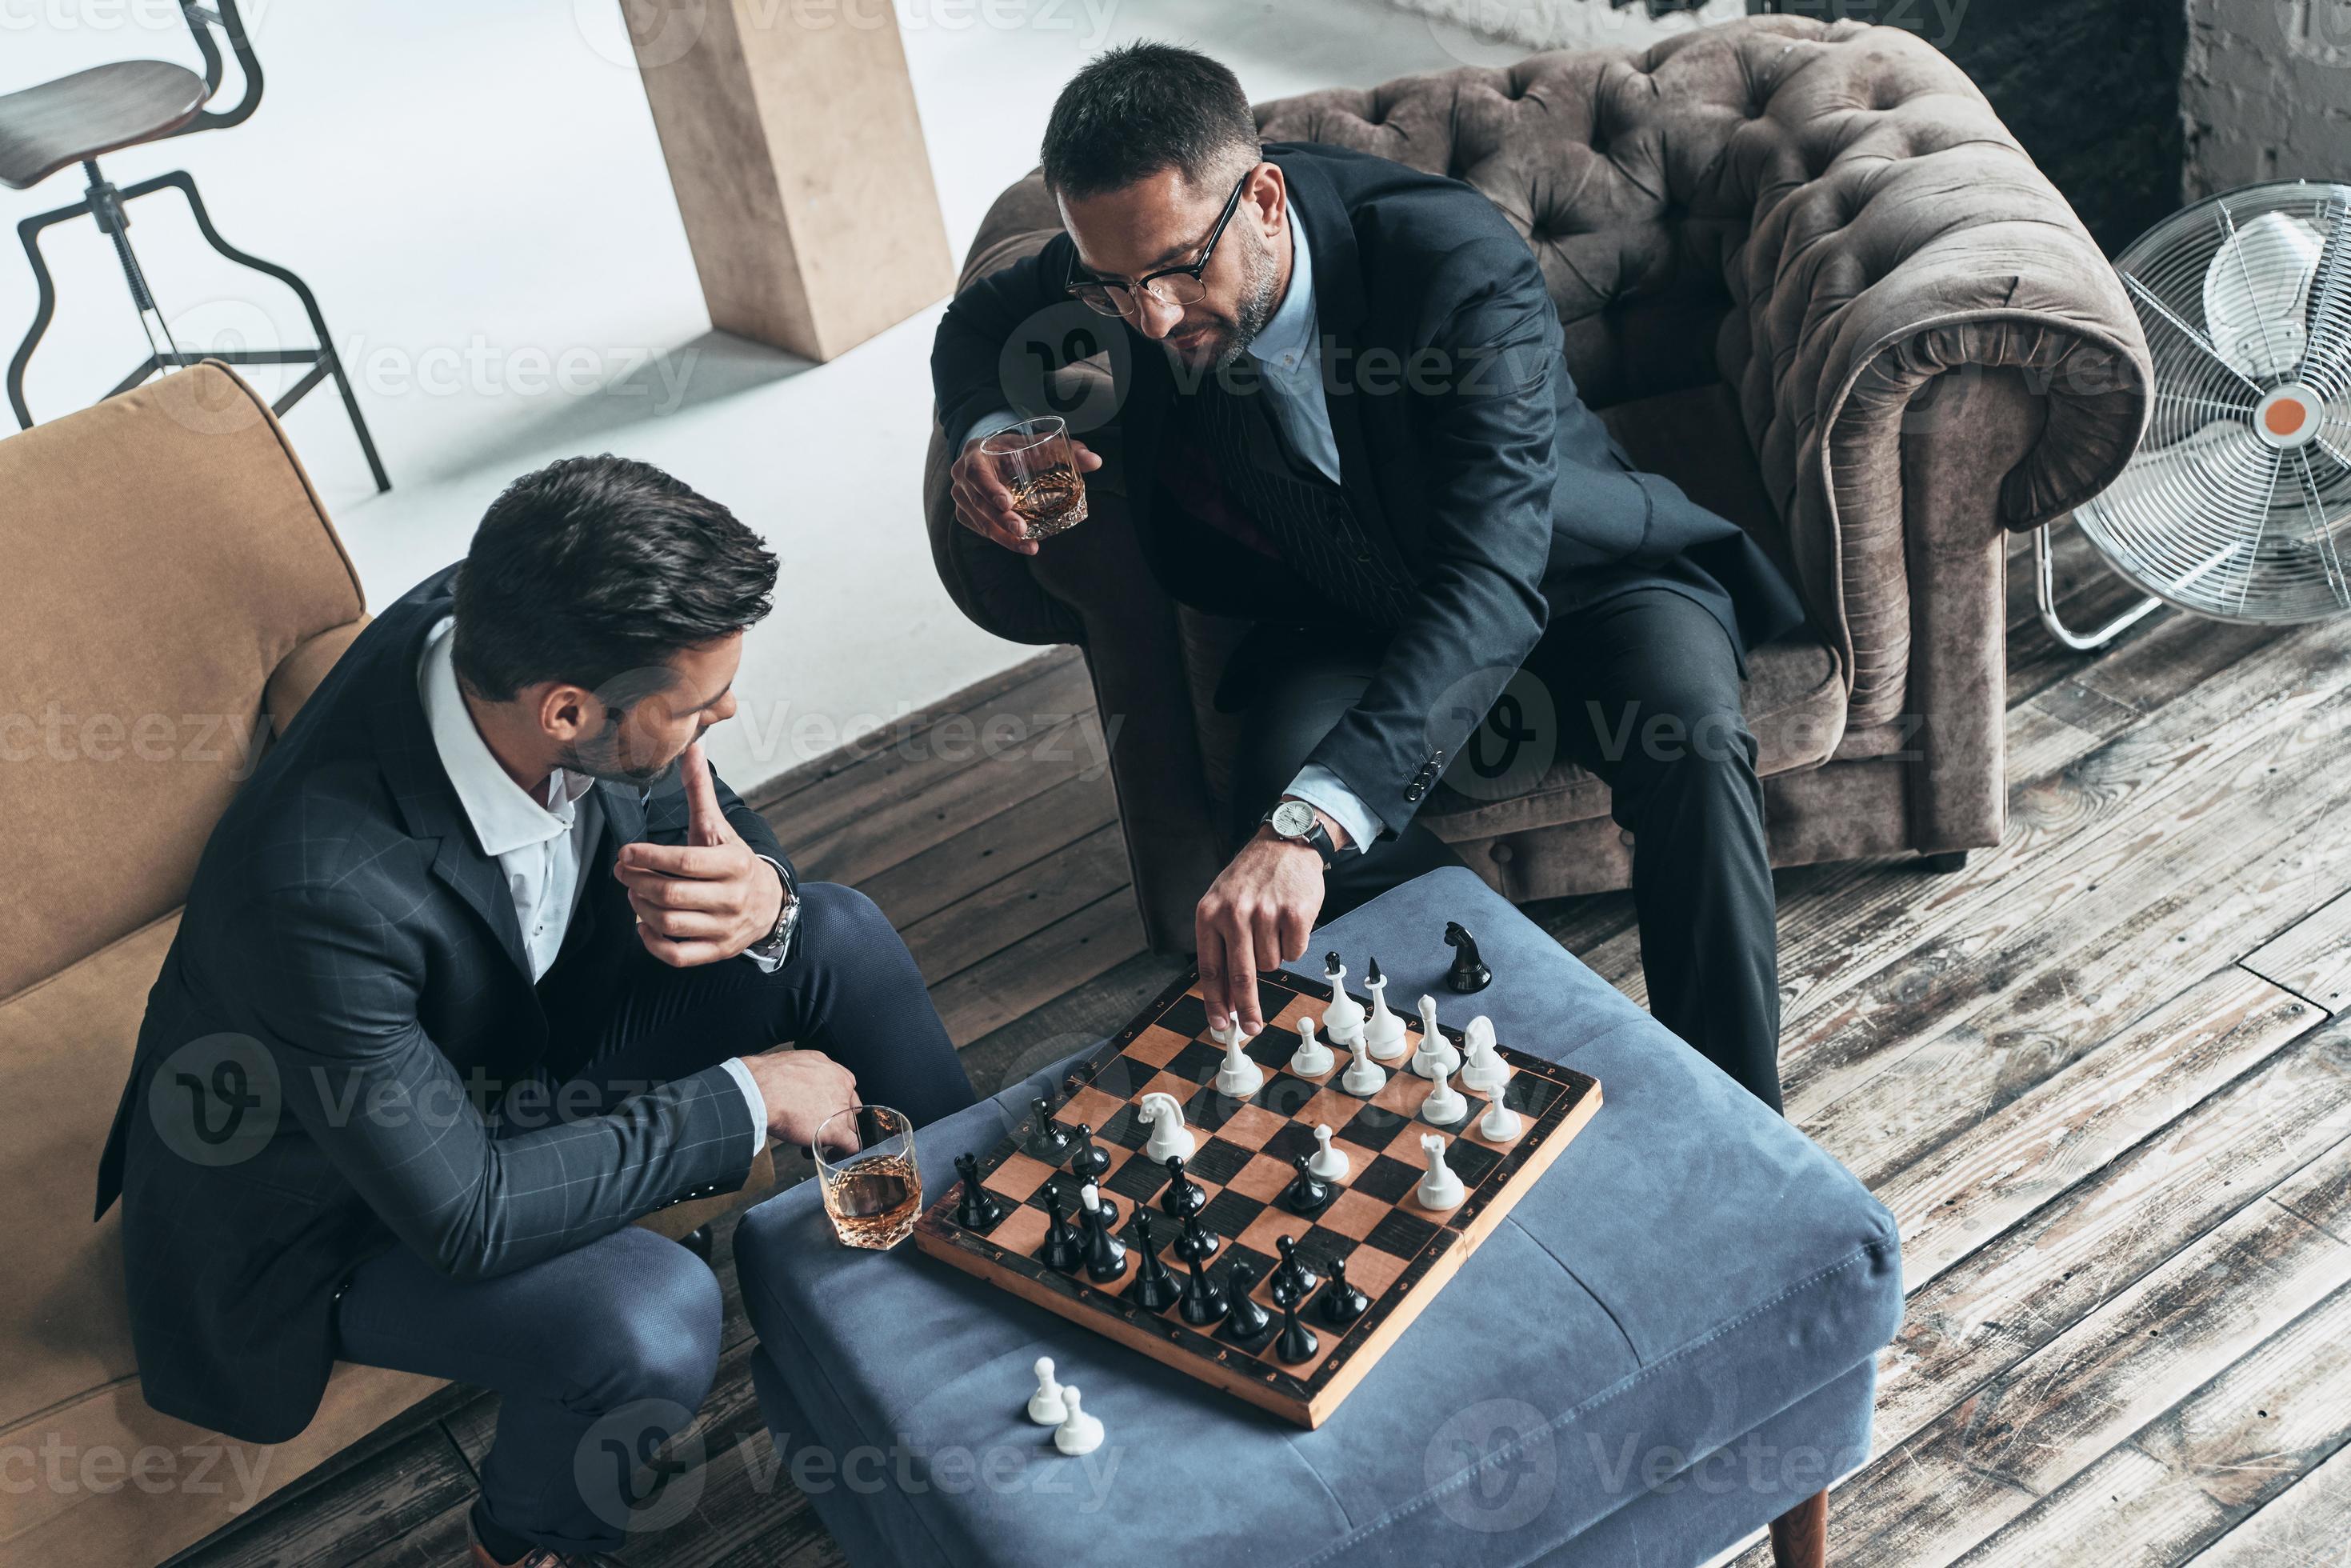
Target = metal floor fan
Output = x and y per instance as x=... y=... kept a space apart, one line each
x=2234 y=504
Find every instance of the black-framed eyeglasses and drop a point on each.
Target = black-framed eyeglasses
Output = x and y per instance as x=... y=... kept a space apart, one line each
x=1169 y=286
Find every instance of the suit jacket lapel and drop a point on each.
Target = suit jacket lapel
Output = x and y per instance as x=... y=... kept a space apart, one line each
x=1339 y=312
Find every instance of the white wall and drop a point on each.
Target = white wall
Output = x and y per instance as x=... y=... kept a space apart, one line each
x=2265 y=93
x=474 y=191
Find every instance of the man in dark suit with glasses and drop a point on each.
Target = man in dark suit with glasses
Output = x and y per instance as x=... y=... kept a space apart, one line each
x=1345 y=418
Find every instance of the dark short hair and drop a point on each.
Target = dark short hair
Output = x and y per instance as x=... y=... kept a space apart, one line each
x=595 y=567
x=1139 y=109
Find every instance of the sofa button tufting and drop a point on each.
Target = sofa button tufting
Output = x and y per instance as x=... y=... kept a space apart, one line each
x=1503 y=853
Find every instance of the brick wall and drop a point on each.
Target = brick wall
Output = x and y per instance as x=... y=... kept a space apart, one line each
x=2265 y=93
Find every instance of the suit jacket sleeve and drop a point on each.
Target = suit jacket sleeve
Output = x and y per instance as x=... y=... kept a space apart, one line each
x=334 y=1000
x=1485 y=423
x=966 y=354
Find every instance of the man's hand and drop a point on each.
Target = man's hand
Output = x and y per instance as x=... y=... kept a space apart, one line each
x=1256 y=916
x=801 y=1088
x=708 y=898
x=984 y=506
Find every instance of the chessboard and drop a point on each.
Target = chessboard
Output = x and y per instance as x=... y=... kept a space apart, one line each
x=1397 y=1253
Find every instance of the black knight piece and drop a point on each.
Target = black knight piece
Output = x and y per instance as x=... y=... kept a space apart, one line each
x=1468 y=972
x=1155 y=1289
x=979 y=1209
x=1245 y=1320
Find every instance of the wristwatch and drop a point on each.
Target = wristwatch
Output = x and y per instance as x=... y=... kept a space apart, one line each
x=778 y=941
x=1296 y=821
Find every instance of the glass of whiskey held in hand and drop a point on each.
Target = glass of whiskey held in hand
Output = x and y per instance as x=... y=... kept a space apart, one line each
x=865 y=1163
x=1034 y=460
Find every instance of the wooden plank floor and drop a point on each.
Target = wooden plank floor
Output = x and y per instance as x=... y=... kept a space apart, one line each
x=2099 y=1077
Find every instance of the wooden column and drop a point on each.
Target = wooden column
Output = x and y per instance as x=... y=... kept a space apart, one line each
x=792 y=137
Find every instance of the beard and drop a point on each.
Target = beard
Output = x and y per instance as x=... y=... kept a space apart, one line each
x=1221 y=345
x=602 y=760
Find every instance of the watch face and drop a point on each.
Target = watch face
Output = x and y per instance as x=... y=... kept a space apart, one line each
x=1292 y=818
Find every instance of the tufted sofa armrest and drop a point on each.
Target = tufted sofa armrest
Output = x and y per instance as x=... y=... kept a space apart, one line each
x=1901 y=236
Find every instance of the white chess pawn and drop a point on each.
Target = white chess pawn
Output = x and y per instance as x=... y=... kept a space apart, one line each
x=1227 y=1033
x=1079 y=1433
x=1436 y=1053
x=1170 y=1139
x=1364 y=1076
x=1383 y=1030
x=1485 y=1071
x=1500 y=1124
x=1313 y=1058
x=1445 y=1106
x=1046 y=1406
x=1439 y=1188
x=1328 y=1162
x=1344 y=1016
x=1241 y=1076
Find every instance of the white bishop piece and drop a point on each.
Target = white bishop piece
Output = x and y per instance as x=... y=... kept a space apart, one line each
x=1045 y=1407
x=1079 y=1433
x=1439 y=1188
x=1170 y=1139
x=1241 y=1076
x=1344 y=1016
x=1484 y=1072
x=1383 y=1030
x=1436 y=1055
x=1313 y=1058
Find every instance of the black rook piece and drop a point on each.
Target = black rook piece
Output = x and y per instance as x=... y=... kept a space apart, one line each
x=1092 y=1159
x=1468 y=972
x=979 y=1209
x=1064 y=1248
x=1204 y=1299
x=1342 y=1303
x=1155 y=1289
x=1296 y=1342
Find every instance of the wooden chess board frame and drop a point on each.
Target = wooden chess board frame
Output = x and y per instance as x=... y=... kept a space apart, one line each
x=1554 y=1101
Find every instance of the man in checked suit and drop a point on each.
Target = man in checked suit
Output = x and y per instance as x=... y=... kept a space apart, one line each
x=481 y=963
x=1345 y=417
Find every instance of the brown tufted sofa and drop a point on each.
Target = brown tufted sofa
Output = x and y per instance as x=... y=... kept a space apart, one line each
x=1805 y=273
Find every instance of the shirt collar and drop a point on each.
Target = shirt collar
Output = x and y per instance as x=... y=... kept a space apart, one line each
x=1284 y=342
x=505 y=816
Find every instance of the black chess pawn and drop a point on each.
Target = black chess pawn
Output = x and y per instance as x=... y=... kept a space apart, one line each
x=1204 y=1299
x=1106 y=1254
x=1341 y=1304
x=1197 y=1242
x=1309 y=1193
x=1245 y=1320
x=1468 y=972
x=1184 y=1197
x=1155 y=1288
x=1050 y=1141
x=1064 y=1248
x=977 y=1208
x=1091 y=1161
x=1293 y=1280
x=1297 y=1342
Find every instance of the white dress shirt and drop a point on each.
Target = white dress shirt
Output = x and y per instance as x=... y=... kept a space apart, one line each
x=1289 y=351
x=539 y=845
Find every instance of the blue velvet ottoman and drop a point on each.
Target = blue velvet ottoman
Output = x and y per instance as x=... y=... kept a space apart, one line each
x=1670 y=1341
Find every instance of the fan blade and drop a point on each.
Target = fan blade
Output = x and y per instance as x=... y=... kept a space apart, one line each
x=2148 y=296
x=2327 y=356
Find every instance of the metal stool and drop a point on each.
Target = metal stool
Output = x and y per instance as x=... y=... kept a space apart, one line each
x=71 y=120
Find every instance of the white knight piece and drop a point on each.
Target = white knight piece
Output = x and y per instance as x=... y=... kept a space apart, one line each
x=1170 y=1139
